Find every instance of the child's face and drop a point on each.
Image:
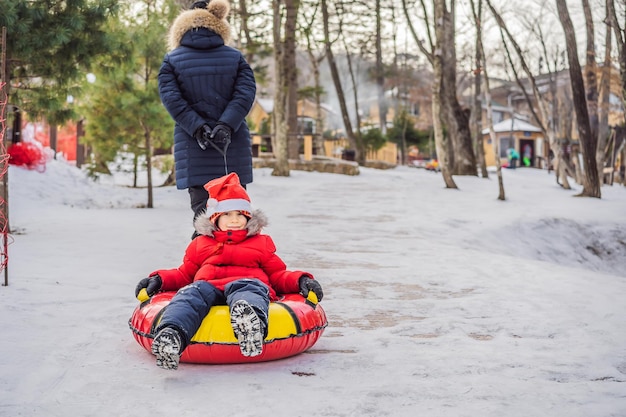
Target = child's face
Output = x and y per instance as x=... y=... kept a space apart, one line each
x=232 y=220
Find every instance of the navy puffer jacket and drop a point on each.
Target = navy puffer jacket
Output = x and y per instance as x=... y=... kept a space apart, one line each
x=203 y=81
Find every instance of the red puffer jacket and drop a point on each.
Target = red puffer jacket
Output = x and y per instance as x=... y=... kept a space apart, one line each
x=231 y=255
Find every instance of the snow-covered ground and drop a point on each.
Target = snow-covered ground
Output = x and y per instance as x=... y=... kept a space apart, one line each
x=440 y=302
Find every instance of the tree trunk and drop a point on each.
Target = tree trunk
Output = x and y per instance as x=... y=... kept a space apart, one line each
x=352 y=140
x=591 y=73
x=563 y=167
x=463 y=160
x=279 y=114
x=53 y=131
x=588 y=142
x=437 y=105
x=244 y=16
x=481 y=63
x=148 y=144
x=620 y=39
x=318 y=138
x=380 y=74
x=605 y=91
x=477 y=111
x=291 y=77
x=361 y=157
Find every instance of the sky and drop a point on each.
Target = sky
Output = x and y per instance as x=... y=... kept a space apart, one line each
x=442 y=303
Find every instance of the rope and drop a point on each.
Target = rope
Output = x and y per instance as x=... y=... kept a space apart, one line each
x=223 y=152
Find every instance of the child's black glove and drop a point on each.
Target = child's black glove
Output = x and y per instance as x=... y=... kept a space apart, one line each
x=308 y=284
x=151 y=284
x=203 y=136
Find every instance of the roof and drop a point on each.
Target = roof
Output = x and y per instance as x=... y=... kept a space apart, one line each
x=267 y=104
x=517 y=126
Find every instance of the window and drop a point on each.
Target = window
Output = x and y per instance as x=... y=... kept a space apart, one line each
x=505 y=144
x=615 y=103
x=306 y=125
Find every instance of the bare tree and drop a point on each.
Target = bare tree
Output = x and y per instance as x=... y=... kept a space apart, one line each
x=315 y=58
x=591 y=183
x=543 y=103
x=620 y=38
x=482 y=65
x=400 y=87
x=434 y=55
x=355 y=94
x=605 y=92
x=334 y=71
x=250 y=21
x=591 y=72
x=280 y=113
x=438 y=86
x=619 y=31
x=380 y=72
x=457 y=121
x=477 y=111
x=290 y=74
x=460 y=157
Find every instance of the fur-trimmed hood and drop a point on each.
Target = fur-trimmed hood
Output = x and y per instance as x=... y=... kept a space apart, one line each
x=204 y=226
x=212 y=18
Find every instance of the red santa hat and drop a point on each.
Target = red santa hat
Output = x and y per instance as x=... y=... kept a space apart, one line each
x=226 y=194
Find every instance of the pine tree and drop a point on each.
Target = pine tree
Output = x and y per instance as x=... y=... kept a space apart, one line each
x=51 y=45
x=123 y=110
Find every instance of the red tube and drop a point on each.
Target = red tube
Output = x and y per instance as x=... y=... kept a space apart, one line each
x=294 y=326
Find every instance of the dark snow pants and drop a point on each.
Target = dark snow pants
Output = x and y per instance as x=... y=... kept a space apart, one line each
x=192 y=303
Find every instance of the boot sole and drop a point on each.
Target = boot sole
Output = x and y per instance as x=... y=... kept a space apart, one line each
x=166 y=349
x=247 y=327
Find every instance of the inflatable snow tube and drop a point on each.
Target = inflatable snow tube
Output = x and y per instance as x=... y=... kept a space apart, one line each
x=295 y=324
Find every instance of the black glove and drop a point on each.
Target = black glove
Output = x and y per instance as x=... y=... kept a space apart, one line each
x=151 y=284
x=308 y=284
x=203 y=136
x=221 y=134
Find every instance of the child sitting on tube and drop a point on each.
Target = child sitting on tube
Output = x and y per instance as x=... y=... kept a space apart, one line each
x=231 y=263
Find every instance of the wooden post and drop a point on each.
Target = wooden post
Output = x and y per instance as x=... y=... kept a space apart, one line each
x=4 y=169
x=80 y=148
x=53 y=130
x=308 y=147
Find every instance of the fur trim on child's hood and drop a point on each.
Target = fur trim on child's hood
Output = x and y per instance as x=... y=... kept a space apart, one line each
x=213 y=18
x=204 y=225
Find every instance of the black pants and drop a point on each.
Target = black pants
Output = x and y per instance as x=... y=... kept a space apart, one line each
x=198 y=196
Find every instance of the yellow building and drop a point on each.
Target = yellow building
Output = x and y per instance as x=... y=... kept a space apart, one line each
x=259 y=120
x=523 y=136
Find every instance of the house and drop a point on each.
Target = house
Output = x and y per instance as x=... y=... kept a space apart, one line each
x=313 y=141
x=521 y=135
x=508 y=100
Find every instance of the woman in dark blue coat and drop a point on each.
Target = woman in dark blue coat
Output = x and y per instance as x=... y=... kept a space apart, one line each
x=208 y=88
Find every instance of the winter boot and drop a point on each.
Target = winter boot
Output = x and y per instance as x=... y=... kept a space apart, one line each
x=166 y=346
x=248 y=328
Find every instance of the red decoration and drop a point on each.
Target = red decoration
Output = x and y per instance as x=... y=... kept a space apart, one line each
x=28 y=155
